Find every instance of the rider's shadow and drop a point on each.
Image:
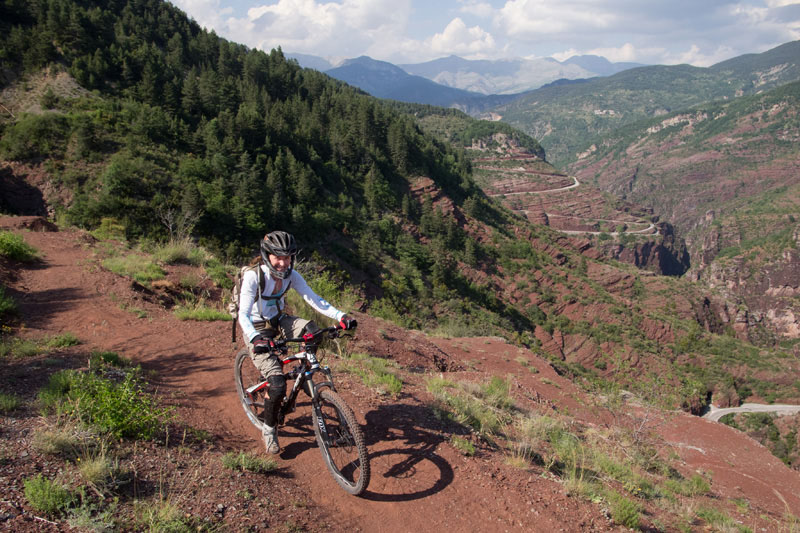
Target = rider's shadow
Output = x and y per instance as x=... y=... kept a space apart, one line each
x=299 y=429
x=402 y=441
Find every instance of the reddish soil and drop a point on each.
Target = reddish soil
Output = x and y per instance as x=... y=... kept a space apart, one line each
x=420 y=482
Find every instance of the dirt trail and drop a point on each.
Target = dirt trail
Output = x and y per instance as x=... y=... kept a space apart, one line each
x=419 y=482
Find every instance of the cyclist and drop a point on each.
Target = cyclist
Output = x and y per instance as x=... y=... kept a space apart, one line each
x=262 y=319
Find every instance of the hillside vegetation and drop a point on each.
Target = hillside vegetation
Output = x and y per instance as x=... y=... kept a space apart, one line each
x=567 y=119
x=726 y=172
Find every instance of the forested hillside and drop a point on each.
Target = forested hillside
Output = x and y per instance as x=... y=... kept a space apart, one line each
x=225 y=142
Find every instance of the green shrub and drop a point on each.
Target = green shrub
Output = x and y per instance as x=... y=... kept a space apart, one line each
x=719 y=521
x=14 y=247
x=34 y=135
x=180 y=252
x=48 y=497
x=62 y=341
x=465 y=407
x=624 y=511
x=248 y=462
x=135 y=266
x=7 y=304
x=697 y=485
x=164 y=516
x=220 y=274
x=19 y=348
x=110 y=228
x=463 y=445
x=8 y=402
x=120 y=409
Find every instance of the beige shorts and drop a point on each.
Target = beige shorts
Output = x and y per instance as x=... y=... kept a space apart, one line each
x=288 y=327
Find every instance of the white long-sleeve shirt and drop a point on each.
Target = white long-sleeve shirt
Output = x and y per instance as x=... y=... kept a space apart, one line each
x=249 y=302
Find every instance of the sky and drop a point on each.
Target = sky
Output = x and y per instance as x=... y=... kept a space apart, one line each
x=666 y=32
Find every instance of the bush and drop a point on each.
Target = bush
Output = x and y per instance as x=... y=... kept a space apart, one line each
x=177 y=252
x=136 y=267
x=14 y=247
x=7 y=304
x=34 y=135
x=110 y=228
x=463 y=445
x=8 y=402
x=624 y=511
x=48 y=497
x=62 y=341
x=121 y=409
x=467 y=409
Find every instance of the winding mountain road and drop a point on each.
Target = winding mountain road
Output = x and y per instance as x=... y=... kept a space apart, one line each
x=716 y=413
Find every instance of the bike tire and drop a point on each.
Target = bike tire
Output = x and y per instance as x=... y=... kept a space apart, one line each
x=247 y=375
x=342 y=444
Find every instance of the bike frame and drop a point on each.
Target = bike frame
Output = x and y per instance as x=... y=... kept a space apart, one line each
x=303 y=375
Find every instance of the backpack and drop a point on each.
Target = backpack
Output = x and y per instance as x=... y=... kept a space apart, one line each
x=233 y=306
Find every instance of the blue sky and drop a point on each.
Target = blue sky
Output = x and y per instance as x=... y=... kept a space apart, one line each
x=698 y=32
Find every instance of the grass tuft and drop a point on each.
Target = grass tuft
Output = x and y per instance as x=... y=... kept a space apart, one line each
x=248 y=462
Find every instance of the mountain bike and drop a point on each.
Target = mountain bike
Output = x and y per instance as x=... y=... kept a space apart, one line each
x=337 y=432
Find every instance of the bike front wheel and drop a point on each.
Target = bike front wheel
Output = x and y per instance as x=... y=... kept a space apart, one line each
x=341 y=442
x=246 y=375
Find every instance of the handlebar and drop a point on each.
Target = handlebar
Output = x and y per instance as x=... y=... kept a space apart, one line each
x=332 y=332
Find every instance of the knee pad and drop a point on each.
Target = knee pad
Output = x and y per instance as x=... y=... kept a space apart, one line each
x=277 y=388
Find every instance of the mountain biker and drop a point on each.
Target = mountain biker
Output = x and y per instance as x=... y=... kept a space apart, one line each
x=262 y=319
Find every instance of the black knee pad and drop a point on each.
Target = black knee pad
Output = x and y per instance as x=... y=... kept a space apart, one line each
x=277 y=388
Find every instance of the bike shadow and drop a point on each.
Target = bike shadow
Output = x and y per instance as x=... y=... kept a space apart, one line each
x=402 y=440
x=299 y=429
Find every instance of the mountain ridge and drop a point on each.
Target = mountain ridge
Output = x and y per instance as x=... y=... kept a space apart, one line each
x=491 y=77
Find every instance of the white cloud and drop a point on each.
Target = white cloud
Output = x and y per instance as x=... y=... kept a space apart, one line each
x=208 y=13
x=348 y=27
x=625 y=53
x=482 y=10
x=458 y=39
x=531 y=20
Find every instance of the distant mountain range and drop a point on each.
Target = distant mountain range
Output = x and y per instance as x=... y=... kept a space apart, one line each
x=512 y=76
x=457 y=82
x=385 y=80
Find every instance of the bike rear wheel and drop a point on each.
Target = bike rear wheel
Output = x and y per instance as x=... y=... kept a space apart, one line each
x=246 y=375
x=341 y=442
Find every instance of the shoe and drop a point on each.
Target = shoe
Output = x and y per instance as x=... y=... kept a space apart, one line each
x=270 y=436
